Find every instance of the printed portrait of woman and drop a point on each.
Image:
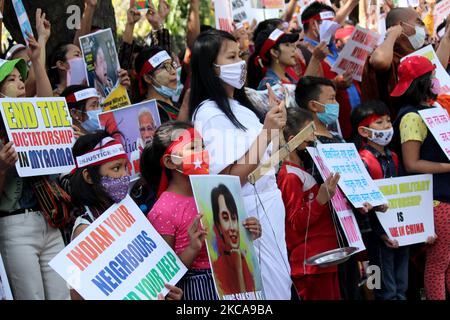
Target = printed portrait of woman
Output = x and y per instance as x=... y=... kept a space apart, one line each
x=231 y=270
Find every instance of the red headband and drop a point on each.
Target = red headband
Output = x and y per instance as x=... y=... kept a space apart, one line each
x=186 y=137
x=369 y=120
x=150 y=65
x=268 y=44
x=82 y=95
x=324 y=15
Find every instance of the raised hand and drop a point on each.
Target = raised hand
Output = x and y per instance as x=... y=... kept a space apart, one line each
x=133 y=14
x=34 y=48
x=90 y=3
x=153 y=17
x=163 y=10
x=124 y=78
x=43 y=26
x=321 y=51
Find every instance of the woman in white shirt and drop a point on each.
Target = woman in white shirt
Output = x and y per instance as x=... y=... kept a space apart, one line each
x=238 y=142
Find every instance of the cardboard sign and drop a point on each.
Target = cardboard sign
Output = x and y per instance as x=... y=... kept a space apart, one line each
x=355 y=52
x=5 y=290
x=233 y=259
x=438 y=121
x=224 y=17
x=441 y=11
x=268 y=4
x=442 y=75
x=340 y=204
x=102 y=68
x=41 y=129
x=120 y=256
x=22 y=17
x=409 y=218
x=137 y=124
x=355 y=181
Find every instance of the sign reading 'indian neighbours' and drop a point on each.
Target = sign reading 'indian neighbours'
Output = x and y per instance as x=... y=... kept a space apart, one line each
x=41 y=129
x=341 y=206
x=409 y=219
x=120 y=256
x=438 y=121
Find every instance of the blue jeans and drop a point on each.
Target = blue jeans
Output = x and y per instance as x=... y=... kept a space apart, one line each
x=393 y=265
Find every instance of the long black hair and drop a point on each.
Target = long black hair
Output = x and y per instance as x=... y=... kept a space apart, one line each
x=151 y=169
x=83 y=193
x=418 y=92
x=255 y=70
x=223 y=190
x=205 y=84
x=361 y=112
x=59 y=54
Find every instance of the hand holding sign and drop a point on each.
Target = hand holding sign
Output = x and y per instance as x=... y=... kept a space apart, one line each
x=252 y=224
x=197 y=234
x=8 y=157
x=276 y=117
x=328 y=188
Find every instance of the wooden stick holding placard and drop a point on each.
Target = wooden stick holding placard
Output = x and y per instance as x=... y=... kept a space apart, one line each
x=281 y=154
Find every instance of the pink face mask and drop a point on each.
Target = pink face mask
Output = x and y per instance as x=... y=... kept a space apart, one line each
x=435 y=86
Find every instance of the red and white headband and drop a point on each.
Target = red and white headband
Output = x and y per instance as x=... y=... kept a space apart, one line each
x=324 y=15
x=270 y=42
x=151 y=64
x=107 y=150
x=82 y=95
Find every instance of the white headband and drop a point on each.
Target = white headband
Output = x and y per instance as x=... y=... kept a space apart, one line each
x=159 y=58
x=102 y=154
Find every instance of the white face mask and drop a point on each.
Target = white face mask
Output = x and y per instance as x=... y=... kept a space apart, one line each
x=233 y=74
x=418 y=39
x=381 y=137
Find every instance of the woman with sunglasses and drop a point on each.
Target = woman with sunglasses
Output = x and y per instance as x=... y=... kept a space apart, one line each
x=158 y=78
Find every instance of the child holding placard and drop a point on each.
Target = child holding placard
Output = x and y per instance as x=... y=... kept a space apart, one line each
x=99 y=180
x=373 y=131
x=307 y=213
x=176 y=152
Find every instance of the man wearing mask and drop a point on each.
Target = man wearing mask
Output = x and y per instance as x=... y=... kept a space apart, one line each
x=314 y=18
x=406 y=33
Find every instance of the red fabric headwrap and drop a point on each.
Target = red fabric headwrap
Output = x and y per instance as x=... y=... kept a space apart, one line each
x=368 y=120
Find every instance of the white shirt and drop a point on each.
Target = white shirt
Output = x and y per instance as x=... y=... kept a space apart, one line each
x=226 y=144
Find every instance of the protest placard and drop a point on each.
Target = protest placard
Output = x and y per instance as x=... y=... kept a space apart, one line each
x=409 y=218
x=137 y=124
x=343 y=210
x=5 y=290
x=224 y=16
x=102 y=68
x=354 y=54
x=441 y=74
x=441 y=11
x=355 y=181
x=232 y=257
x=22 y=17
x=41 y=129
x=408 y=3
x=268 y=4
x=239 y=10
x=438 y=121
x=120 y=256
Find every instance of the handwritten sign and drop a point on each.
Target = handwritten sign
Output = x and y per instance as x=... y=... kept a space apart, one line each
x=22 y=17
x=340 y=204
x=41 y=129
x=409 y=218
x=438 y=121
x=119 y=257
x=224 y=17
x=354 y=54
x=442 y=75
x=355 y=181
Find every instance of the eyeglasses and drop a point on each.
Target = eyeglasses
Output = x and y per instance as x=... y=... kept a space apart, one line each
x=169 y=66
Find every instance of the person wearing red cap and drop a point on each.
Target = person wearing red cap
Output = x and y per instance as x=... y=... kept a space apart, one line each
x=422 y=154
x=405 y=34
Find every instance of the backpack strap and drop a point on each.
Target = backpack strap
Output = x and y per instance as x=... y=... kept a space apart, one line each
x=372 y=164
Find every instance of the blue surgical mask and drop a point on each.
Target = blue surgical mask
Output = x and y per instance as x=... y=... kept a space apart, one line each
x=165 y=91
x=92 y=124
x=330 y=115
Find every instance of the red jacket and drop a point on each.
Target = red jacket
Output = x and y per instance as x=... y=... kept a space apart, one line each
x=299 y=191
